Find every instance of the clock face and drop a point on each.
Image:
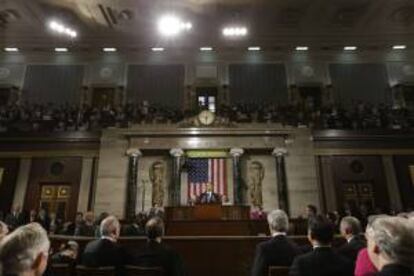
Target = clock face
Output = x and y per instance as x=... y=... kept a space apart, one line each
x=206 y=117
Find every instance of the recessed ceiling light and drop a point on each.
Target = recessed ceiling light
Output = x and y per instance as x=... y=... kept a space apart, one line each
x=399 y=47
x=170 y=25
x=350 y=48
x=157 y=49
x=11 y=49
x=61 y=50
x=110 y=49
x=234 y=31
x=302 y=48
x=62 y=29
x=206 y=49
x=254 y=48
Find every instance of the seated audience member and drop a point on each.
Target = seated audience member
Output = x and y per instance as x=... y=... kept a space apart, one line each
x=323 y=260
x=25 y=251
x=87 y=228
x=155 y=253
x=278 y=251
x=391 y=246
x=363 y=264
x=68 y=254
x=4 y=230
x=257 y=213
x=134 y=228
x=105 y=251
x=311 y=213
x=350 y=229
x=44 y=219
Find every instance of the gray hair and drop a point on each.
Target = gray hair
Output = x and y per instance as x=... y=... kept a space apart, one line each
x=351 y=223
x=395 y=238
x=110 y=225
x=278 y=221
x=19 y=250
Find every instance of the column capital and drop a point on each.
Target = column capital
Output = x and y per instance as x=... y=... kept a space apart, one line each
x=236 y=152
x=279 y=151
x=177 y=152
x=134 y=152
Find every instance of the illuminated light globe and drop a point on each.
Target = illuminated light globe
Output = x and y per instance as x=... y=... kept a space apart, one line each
x=169 y=25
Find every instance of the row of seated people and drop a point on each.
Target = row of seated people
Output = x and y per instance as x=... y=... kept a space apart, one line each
x=85 y=225
x=49 y=117
x=388 y=250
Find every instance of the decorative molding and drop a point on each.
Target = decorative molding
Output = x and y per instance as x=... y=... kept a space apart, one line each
x=134 y=152
x=236 y=152
x=279 y=152
x=177 y=152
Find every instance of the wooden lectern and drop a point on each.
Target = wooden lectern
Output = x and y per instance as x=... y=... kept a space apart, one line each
x=207 y=212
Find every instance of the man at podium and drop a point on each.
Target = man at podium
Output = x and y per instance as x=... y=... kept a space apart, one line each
x=209 y=197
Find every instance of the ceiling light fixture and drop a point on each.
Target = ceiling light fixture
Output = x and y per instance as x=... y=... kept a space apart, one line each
x=11 y=49
x=157 y=49
x=302 y=48
x=254 y=48
x=350 y=48
x=110 y=49
x=206 y=49
x=170 y=25
x=234 y=31
x=399 y=47
x=62 y=29
x=61 y=50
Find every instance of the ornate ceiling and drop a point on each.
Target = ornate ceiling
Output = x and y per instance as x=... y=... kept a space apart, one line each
x=272 y=23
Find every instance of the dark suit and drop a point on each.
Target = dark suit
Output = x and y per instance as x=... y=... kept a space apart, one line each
x=322 y=261
x=395 y=270
x=351 y=249
x=279 y=251
x=209 y=198
x=103 y=252
x=14 y=220
x=155 y=254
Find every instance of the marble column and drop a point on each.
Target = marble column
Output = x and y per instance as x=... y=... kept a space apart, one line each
x=238 y=187
x=175 y=186
x=131 y=202
x=282 y=189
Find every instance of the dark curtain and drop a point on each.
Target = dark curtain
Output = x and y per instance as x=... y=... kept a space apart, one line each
x=253 y=83
x=58 y=84
x=157 y=84
x=360 y=82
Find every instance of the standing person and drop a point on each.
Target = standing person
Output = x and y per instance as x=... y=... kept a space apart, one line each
x=209 y=197
x=25 y=251
x=278 y=251
x=391 y=246
x=155 y=253
x=323 y=260
x=15 y=218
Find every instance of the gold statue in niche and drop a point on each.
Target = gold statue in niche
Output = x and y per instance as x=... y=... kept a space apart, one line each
x=256 y=175
x=156 y=175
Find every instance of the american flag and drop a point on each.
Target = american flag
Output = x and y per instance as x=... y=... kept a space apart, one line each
x=200 y=171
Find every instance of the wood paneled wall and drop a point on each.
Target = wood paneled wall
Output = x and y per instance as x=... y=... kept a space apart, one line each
x=41 y=173
x=405 y=178
x=9 y=169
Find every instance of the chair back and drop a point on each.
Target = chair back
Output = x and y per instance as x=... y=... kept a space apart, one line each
x=61 y=270
x=143 y=271
x=279 y=271
x=95 y=271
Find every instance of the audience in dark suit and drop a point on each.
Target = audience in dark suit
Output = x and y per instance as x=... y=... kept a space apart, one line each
x=278 y=251
x=68 y=254
x=15 y=218
x=323 y=260
x=391 y=246
x=155 y=253
x=105 y=251
x=87 y=228
x=350 y=229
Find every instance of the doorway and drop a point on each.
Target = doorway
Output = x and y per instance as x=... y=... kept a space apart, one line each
x=103 y=96
x=55 y=198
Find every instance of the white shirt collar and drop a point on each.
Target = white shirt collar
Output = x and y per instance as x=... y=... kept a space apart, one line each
x=274 y=234
x=108 y=238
